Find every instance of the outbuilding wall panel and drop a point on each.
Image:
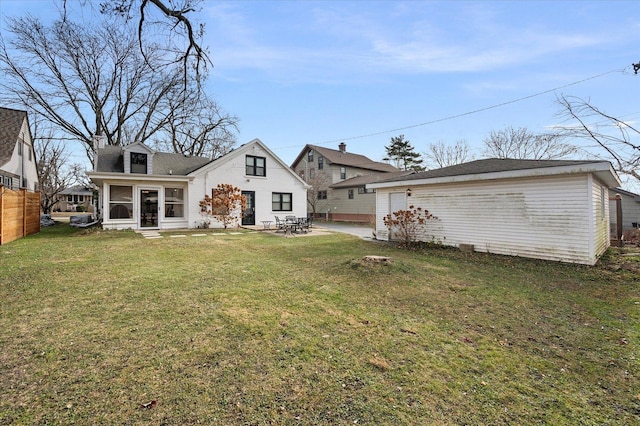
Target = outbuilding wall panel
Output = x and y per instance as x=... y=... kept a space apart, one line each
x=546 y=217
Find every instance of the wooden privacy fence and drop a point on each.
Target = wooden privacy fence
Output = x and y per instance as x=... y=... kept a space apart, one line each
x=19 y=214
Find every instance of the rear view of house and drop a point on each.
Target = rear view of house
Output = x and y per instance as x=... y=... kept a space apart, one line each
x=556 y=210
x=144 y=189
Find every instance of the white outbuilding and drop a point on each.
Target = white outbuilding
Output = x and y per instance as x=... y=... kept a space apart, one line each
x=546 y=209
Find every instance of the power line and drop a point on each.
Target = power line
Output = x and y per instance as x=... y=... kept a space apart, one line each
x=451 y=117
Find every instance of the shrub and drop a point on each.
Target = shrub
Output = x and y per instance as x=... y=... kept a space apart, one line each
x=406 y=224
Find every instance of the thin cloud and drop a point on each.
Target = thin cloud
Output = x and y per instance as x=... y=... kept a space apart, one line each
x=336 y=42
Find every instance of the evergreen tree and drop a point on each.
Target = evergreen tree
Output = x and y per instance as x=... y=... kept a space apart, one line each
x=402 y=154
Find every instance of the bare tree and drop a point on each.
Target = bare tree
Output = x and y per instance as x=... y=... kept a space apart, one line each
x=442 y=155
x=520 y=143
x=198 y=127
x=53 y=174
x=175 y=19
x=93 y=80
x=86 y=80
x=317 y=194
x=617 y=140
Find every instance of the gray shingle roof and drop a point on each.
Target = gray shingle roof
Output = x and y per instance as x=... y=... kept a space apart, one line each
x=10 y=124
x=491 y=165
x=110 y=160
x=77 y=190
x=372 y=178
x=347 y=159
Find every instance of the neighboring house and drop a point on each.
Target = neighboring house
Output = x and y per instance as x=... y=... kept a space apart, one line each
x=144 y=189
x=338 y=179
x=76 y=198
x=556 y=210
x=630 y=209
x=18 y=167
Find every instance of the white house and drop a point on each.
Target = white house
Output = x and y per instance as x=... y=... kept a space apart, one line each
x=18 y=167
x=556 y=210
x=143 y=189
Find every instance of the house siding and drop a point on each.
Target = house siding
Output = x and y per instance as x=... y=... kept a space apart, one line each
x=23 y=165
x=231 y=170
x=338 y=206
x=546 y=217
x=600 y=216
x=360 y=208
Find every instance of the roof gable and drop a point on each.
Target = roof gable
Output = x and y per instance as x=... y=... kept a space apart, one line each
x=11 y=121
x=245 y=149
x=344 y=158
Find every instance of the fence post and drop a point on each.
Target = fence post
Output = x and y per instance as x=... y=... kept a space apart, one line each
x=23 y=192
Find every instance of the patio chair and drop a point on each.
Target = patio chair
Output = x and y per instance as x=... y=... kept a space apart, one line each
x=279 y=224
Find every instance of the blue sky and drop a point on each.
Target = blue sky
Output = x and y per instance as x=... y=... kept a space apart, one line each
x=322 y=72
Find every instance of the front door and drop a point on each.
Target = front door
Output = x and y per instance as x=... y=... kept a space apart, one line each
x=249 y=214
x=148 y=208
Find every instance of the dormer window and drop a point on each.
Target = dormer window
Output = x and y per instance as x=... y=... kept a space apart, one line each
x=139 y=163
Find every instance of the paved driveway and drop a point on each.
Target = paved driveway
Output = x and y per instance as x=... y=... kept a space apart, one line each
x=362 y=231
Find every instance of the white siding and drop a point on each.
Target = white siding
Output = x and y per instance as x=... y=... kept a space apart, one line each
x=23 y=165
x=360 y=203
x=630 y=211
x=600 y=217
x=231 y=170
x=545 y=217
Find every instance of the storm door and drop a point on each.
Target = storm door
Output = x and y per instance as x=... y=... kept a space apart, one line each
x=148 y=208
x=249 y=214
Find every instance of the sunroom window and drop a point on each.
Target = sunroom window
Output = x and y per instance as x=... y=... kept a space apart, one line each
x=174 y=202
x=120 y=202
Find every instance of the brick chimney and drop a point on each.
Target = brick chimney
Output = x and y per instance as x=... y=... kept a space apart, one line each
x=342 y=147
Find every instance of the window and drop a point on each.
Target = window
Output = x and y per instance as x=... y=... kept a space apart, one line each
x=256 y=166
x=363 y=190
x=322 y=195
x=350 y=194
x=120 y=202
x=69 y=198
x=320 y=162
x=139 y=163
x=281 y=201
x=343 y=172
x=310 y=156
x=174 y=202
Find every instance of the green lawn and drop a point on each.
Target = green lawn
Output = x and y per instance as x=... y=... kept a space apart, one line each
x=260 y=329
